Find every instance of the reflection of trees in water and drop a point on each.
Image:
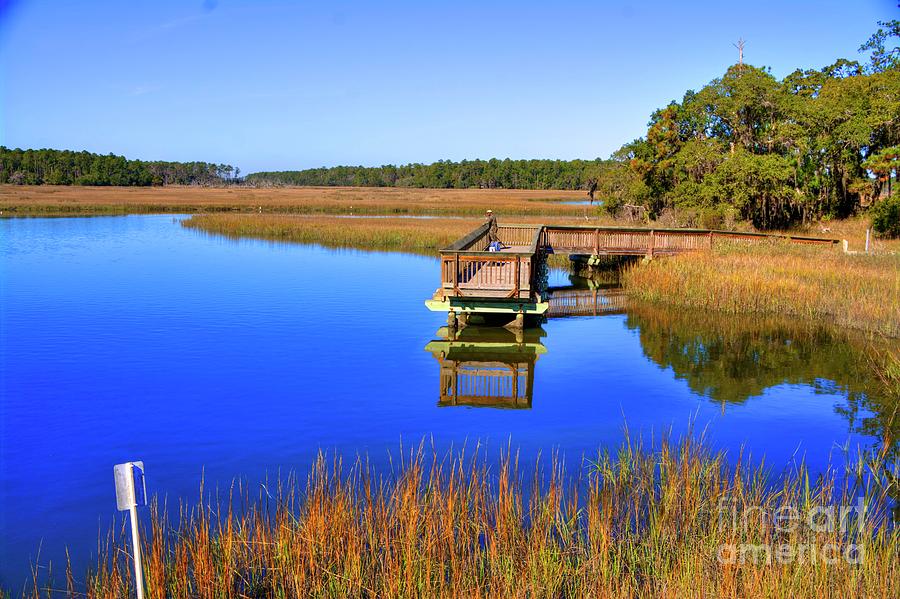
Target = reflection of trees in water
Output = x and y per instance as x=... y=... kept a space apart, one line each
x=732 y=358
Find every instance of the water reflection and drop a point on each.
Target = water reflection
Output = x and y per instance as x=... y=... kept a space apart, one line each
x=732 y=359
x=585 y=297
x=727 y=359
x=487 y=366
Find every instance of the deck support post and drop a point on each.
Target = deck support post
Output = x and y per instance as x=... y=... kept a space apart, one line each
x=462 y=319
x=451 y=319
x=519 y=322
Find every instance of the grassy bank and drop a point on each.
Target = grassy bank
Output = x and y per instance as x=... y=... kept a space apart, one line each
x=674 y=521
x=50 y=200
x=856 y=291
x=406 y=234
x=422 y=235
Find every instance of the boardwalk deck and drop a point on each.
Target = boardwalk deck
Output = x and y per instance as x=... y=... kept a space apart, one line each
x=476 y=280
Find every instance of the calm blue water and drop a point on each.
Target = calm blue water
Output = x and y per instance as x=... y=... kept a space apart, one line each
x=127 y=338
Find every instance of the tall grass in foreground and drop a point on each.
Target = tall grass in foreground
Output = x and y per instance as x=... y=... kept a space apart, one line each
x=855 y=291
x=639 y=522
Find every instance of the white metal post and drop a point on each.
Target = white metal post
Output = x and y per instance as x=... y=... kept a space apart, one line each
x=136 y=546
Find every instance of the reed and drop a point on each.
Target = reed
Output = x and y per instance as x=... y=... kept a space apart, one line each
x=853 y=291
x=422 y=235
x=415 y=235
x=656 y=520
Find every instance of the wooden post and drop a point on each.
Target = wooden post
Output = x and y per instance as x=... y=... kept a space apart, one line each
x=596 y=242
x=515 y=383
x=519 y=322
x=650 y=250
x=518 y=274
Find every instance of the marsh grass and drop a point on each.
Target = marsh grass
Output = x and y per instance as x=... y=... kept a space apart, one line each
x=415 y=235
x=421 y=235
x=75 y=200
x=854 y=291
x=854 y=231
x=887 y=368
x=643 y=521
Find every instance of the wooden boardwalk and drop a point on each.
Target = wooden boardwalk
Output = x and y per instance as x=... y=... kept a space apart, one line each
x=476 y=280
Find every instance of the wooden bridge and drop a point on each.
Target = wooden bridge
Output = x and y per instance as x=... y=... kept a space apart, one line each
x=512 y=281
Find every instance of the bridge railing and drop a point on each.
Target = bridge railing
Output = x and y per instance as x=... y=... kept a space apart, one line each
x=641 y=241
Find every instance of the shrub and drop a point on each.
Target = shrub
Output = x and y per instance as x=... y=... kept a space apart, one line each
x=886 y=217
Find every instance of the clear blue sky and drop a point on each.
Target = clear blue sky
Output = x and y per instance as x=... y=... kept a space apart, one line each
x=283 y=85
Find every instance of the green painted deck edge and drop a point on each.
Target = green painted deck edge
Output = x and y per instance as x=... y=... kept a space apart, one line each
x=504 y=307
x=512 y=346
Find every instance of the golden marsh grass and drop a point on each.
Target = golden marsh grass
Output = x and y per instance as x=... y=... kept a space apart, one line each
x=398 y=234
x=74 y=200
x=422 y=235
x=854 y=291
x=639 y=522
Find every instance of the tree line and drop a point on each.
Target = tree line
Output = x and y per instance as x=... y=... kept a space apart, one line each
x=774 y=152
x=485 y=174
x=65 y=167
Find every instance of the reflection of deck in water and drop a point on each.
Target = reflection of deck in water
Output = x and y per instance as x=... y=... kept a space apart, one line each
x=487 y=367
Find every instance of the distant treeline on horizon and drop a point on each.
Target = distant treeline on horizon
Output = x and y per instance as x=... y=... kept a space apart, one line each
x=66 y=167
x=485 y=174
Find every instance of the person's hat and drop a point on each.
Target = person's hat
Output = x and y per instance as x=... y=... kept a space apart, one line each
x=489 y=210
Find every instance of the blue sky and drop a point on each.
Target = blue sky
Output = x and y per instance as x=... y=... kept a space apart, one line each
x=283 y=85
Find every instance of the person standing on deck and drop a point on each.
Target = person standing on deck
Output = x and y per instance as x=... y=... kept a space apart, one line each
x=491 y=222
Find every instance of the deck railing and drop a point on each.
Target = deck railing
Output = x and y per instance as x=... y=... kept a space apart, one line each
x=517 y=235
x=470 y=272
